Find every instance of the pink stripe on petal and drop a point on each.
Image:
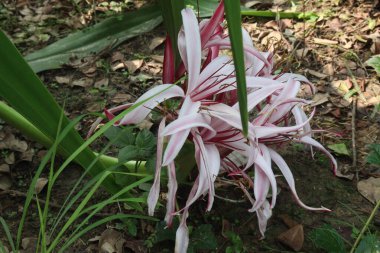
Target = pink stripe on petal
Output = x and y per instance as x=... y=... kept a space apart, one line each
x=164 y=92
x=193 y=47
x=215 y=20
x=175 y=144
x=187 y=122
x=314 y=143
x=263 y=215
x=285 y=170
x=155 y=189
x=172 y=191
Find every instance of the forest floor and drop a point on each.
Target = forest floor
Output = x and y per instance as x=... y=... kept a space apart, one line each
x=331 y=50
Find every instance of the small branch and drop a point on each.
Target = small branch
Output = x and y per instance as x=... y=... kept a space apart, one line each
x=271 y=14
x=365 y=226
x=353 y=137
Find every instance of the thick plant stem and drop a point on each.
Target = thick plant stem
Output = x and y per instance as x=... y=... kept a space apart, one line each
x=271 y=14
x=13 y=118
x=366 y=225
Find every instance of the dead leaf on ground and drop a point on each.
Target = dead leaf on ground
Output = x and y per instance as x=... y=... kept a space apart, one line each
x=158 y=58
x=134 y=65
x=10 y=159
x=293 y=237
x=316 y=74
x=4 y=168
x=370 y=189
x=121 y=98
x=156 y=42
x=27 y=155
x=111 y=241
x=288 y=221
x=29 y=244
x=302 y=52
x=40 y=184
x=10 y=142
x=83 y=82
x=320 y=98
x=63 y=79
x=102 y=83
x=343 y=171
x=325 y=41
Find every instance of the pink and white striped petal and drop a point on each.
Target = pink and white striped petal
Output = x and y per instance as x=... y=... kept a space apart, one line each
x=159 y=94
x=285 y=170
x=155 y=189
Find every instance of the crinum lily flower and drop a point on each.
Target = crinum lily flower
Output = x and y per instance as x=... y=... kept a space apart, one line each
x=209 y=116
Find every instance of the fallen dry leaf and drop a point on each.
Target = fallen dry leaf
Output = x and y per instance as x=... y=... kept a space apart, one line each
x=317 y=74
x=293 y=237
x=156 y=42
x=5 y=178
x=325 y=41
x=10 y=159
x=134 y=65
x=63 y=79
x=320 y=98
x=40 y=184
x=10 y=142
x=370 y=189
x=111 y=241
x=121 y=98
x=102 y=83
x=27 y=155
x=83 y=82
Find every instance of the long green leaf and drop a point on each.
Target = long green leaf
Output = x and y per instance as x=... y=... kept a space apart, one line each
x=232 y=8
x=22 y=89
x=171 y=12
x=103 y=36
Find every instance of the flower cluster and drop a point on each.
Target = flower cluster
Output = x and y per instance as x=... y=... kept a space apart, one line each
x=209 y=116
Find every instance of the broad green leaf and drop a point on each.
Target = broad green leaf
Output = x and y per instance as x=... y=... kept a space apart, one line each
x=22 y=90
x=128 y=153
x=232 y=8
x=328 y=239
x=123 y=136
x=374 y=156
x=145 y=139
x=206 y=7
x=103 y=36
x=369 y=244
x=202 y=238
x=374 y=62
x=339 y=148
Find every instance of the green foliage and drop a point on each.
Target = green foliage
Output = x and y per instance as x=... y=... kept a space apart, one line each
x=369 y=244
x=374 y=155
x=374 y=62
x=339 y=148
x=328 y=239
x=202 y=238
x=94 y=40
x=236 y=244
x=233 y=16
x=29 y=97
x=122 y=136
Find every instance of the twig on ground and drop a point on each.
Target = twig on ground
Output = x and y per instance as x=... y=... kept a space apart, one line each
x=353 y=137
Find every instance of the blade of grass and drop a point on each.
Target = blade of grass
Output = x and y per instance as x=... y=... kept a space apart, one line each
x=84 y=202
x=29 y=97
x=233 y=16
x=8 y=234
x=98 y=223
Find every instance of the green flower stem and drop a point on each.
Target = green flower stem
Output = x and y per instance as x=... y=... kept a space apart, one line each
x=271 y=14
x=13 y=118
x=366 y=225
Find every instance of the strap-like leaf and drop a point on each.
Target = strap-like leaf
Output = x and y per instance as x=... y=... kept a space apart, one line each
x=105 y=35
x=22 y=89
x=233 y=15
